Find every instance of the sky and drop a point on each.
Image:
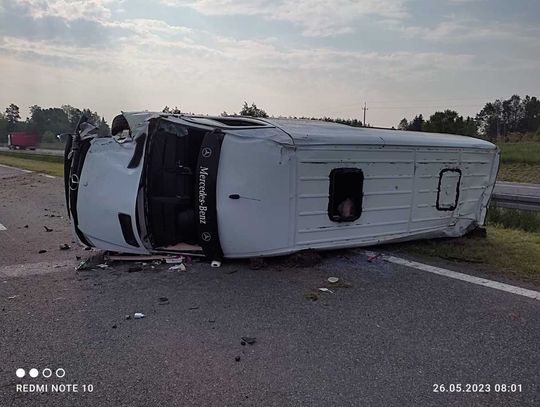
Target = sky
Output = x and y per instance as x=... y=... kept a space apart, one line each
x=290 y=57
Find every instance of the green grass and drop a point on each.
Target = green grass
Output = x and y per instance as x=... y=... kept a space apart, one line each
x=40 y=163
x=514 y=219
x=520 y=162
x=519 y=172
x=523 y=153
x=505 y=252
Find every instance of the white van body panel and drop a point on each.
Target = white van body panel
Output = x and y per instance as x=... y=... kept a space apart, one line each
x=400 y=191
x=273 y=185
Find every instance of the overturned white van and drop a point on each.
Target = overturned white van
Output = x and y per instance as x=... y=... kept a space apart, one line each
x=242 y=187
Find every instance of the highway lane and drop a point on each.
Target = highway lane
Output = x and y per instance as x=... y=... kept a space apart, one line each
x=384 y=341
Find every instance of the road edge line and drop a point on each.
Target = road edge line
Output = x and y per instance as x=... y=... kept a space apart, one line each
x=524 y=292
x=16 y=168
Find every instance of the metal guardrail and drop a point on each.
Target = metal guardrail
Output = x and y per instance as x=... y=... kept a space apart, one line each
x=516 y=196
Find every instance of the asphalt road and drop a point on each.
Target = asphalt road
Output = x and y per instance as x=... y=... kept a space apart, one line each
x=384 y=341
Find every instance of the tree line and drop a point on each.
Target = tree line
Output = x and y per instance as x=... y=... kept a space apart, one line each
x=47 y=122
x=496 y=120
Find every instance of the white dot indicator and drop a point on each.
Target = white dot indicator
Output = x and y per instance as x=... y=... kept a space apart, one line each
x=60 y=373
x=46 y=372
x=33 y=372
x=20 y=373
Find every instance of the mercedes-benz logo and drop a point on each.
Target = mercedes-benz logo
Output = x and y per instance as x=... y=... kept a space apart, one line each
x=206 y=236
x=206 y=152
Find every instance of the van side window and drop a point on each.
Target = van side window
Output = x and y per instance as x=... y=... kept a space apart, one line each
x=448 y=189
x=346 y=191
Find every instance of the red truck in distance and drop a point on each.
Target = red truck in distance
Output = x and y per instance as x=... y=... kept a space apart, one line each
x=22 y=140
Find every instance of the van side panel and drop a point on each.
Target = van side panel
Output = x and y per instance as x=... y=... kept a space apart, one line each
x=401 y=188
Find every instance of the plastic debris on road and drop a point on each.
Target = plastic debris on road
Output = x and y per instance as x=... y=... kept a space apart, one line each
x=138 y=315
x=174 y=260
x=180 y=267
x=215 y=263
x=333 y=280
x=326 y=290
x=249 y=340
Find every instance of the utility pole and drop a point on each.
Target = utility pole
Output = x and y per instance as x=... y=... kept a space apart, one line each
x=364 y=109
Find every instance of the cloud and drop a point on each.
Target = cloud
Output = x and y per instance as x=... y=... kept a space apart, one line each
x=317 y=18
x=455 y=30
x=68 y=9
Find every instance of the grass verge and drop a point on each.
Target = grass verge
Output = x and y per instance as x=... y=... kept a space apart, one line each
x=40 y=163
x=524 y=153
x=504 y=252
x=519 y=172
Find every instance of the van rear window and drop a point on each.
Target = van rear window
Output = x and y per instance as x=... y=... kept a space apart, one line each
x=346 y=192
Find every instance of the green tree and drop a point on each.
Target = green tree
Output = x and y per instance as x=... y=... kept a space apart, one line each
x=417 y=124
x=12 y=116
x=450 y=122
x=3 y=129
x=403 y=124
x=252 y=111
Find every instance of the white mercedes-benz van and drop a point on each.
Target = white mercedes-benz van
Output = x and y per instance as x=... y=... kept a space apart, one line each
x=243 y=187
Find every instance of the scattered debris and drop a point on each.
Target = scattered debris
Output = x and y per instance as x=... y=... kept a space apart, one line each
x=326 y=290
x=237 y=358
x=127 y=317
x=242 y=343
x=47 y=229
x=83 y=265
x=249 y=340
x=12 y=297
x=42 y=251
x=163 y=300
x=114 y=327
x=212 y=321
x=65 y=246
x=193 y=308
x=180 y=267
x=216 y=263
x=138 y=315
x=26 y=226
x=102 y=266
x=333 y=280
x=174 y=260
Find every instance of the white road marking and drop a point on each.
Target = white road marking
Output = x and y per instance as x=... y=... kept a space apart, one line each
x=15 y=168
x=49 y=176
x=460 y=276
x=2 y=227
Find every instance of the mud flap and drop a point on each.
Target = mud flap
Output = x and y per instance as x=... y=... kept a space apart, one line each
x=206 y=205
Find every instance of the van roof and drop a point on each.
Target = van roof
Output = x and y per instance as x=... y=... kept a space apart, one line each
x=318 y=132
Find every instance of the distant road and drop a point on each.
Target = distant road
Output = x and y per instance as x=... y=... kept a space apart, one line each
x=37 y=151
